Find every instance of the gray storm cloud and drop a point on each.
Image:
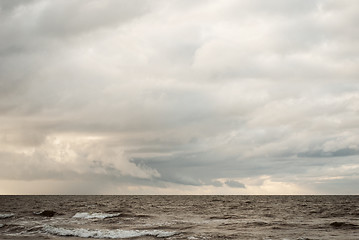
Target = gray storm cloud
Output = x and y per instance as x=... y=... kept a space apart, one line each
x=177 y=97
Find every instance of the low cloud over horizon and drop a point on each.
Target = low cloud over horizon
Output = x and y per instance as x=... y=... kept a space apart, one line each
x=179 y=97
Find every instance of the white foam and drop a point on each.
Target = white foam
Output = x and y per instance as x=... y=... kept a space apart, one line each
x=104 y=233
x=86 y=215
x=6 y=215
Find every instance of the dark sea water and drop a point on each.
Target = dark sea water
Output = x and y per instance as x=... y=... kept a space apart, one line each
x=179 y=217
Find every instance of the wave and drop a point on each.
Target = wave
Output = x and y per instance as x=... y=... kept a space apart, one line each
x=344 y=225
x=6 y=215
x=46 y=213
x=86 y=215
x=104 y=233
x=1 y=225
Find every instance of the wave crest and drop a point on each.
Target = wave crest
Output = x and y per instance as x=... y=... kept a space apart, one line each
x=86 y=215
x=6 y=215
x=104 y=233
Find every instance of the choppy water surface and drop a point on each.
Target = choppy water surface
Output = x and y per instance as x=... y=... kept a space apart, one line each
x=179 y=217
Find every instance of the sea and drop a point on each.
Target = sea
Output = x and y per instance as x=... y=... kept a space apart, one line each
x=180 y=217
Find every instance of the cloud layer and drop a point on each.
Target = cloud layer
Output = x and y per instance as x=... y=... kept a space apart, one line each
x=179 y=97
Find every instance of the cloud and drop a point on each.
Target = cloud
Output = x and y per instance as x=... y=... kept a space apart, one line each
x=165 y=96
x=70 y=157
x=234 y=184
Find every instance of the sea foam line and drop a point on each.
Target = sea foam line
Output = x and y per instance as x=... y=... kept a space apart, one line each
x=104 y=233
x=86 y=215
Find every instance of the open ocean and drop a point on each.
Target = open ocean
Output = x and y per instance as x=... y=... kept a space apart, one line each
x=179 y=217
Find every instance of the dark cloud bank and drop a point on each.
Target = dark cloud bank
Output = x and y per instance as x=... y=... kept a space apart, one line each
x=177 y=97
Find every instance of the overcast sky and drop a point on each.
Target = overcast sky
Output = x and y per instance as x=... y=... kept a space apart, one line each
x=179 y=97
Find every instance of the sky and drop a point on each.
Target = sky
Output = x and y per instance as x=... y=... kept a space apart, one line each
x=179 y=97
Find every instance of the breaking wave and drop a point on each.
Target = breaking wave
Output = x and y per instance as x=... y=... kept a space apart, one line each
x=104 y=233
x=6 y=215
x=86 y=215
